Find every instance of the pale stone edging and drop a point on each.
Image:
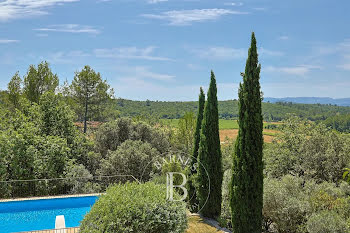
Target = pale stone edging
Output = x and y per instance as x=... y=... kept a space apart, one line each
x=50 y=197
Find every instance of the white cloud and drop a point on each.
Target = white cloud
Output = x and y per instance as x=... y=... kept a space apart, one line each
x=6 y=41
x=233 y=4
x=341 y=50
x=344 y=66
x=156 y=1
x=220 y=53
x=130 y=53
x=143 y=72
x=283 y=38
x=71 y=28
x=186 y=17
x=194 y=66
x=226 y=53
x=71 y=57
x=263 y=51
x=15 y=9
x=295 y=70
x=260 y=8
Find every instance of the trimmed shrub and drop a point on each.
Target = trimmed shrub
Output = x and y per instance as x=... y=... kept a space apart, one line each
x=133 y=207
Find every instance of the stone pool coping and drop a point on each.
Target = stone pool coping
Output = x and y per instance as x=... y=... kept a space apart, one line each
x=50 y=197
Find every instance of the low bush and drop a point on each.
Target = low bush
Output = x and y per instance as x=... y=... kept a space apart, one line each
x=285 y=205
x=292 y=205
x=133 y=207
x=327 y=221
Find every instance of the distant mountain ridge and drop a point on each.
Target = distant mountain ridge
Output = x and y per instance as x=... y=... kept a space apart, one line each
x=310 y=100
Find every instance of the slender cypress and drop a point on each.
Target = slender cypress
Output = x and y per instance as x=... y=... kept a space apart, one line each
x=193 y=201
x=247 y=171
x=209 y=156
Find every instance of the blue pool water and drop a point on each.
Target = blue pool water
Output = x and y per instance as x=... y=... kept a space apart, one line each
x=16 y=216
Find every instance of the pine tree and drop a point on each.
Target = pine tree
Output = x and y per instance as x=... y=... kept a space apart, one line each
x=209 y=157
x=91 y=92
x=247 y=171
x=193 y=201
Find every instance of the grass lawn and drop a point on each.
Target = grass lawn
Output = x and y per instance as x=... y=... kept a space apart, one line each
x=229 y=129
x=223 y=124
x=197 y=225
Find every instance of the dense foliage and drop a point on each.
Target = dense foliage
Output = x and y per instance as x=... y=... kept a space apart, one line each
x=131 y=158
x=304 y=191
x=247 y=171
x=228 y=109
x=112 y=134
x=308 y=150
x=39 y=80
x=340 y=123
x=210 y=174
x=39 y=142
x=135 y=207
x=292 y=205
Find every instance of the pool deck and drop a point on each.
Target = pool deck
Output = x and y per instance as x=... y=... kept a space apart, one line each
x=50 y=197
x=67 y=230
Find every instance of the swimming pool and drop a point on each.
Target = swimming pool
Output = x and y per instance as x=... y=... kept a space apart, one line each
x=28 y=215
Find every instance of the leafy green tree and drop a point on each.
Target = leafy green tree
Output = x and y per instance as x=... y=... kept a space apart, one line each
x=247 y=172
x=15 y=90
x=209 y=157
x=193 y=201
x=38 y=81
x=307 y=150
x=185 y=131
x=90 y=92
x=340 y=123
x=131 y=158
x=112 y=134
x=57 y=118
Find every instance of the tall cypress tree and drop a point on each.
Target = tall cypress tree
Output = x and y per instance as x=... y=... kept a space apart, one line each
x=209 y=156
x=247 y=171
x=193 y=201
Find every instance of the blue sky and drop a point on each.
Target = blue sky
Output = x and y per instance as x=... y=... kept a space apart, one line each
x=165 y=49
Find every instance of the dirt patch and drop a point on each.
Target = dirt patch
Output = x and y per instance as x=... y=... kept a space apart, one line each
x=268 y=138
x=272 y=131
x=228 y=134
x=232 y=134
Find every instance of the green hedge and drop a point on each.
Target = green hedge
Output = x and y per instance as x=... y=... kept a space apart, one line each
x=133 y=207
